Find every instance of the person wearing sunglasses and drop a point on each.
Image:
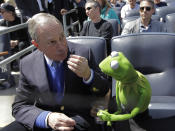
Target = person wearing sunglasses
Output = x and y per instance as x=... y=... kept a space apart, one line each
x=96 y=26
x=144 y=23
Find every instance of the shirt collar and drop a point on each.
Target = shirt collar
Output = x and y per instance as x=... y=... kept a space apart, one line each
x=48 y=61
x=142 y=26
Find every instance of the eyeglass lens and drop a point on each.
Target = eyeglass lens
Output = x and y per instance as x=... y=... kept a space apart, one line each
x=147 y=8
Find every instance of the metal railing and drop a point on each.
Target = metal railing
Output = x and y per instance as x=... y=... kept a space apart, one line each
x=67 y=27
x=6 y=61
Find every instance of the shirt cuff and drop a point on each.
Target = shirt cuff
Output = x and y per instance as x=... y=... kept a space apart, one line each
x=41 y=120
x=90 y=78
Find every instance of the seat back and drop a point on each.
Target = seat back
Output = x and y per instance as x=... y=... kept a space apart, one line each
x=153 y=55
x=115 y=26
x=170 y=23
x=171 y=3
x=117 y=11
x=132 y=13
x=163 y=11
x=97 y=45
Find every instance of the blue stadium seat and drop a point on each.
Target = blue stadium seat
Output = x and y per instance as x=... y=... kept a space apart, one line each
x=170 y=22
x=163 y=11
x=97 y=44
x=153 y=54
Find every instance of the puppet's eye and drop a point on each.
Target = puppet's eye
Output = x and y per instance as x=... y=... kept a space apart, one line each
x=114 y=54
x=114 y=64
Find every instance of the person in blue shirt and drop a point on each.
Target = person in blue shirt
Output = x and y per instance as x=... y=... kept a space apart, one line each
x=107 y=12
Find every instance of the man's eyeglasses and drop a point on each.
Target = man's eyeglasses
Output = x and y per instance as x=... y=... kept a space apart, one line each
x=147 y=8
x=88 y=8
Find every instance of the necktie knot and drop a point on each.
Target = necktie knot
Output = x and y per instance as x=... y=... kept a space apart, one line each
x=55 y=64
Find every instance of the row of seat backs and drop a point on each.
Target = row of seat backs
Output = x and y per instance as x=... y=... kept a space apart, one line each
x=163 y=11
x=151 y=53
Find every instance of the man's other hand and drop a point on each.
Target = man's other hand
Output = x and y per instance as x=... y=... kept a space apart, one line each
x=61 y=122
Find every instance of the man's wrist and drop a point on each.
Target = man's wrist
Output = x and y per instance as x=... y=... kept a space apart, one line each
x=88 y=81
x=88 y=74
x=47 y=120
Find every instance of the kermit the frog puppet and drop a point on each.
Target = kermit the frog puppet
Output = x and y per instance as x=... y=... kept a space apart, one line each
x=133 y=91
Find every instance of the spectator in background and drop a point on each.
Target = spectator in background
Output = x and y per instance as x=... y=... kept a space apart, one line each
x=158 y=3
x=117 y=3
x=59 y=82
x=11 y=2
x=18 y=39
x=97 y=26
x=144 y=23
x=28 y=8
x=106 y=11
x=131 y=5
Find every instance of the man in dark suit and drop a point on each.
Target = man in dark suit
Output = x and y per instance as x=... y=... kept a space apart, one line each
x=64 y=104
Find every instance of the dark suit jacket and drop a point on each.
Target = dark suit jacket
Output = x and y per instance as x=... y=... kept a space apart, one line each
x=29 y=7
x=34 y=95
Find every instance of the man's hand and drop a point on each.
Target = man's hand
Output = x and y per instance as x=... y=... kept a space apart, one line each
x=79 y=65
x=61 y=122
x=63 y=11
x=13 y=43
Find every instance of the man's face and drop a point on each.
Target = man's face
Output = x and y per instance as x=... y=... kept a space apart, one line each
x=52 y=42
x=156 y=1
x=7 y=15
x=146 y=10
x=91 y=11
x=132 y=3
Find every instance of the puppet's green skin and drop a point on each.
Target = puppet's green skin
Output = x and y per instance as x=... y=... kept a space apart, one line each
x=133 y=90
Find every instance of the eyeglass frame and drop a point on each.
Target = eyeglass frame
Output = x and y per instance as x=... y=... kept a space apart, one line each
x=148 y=8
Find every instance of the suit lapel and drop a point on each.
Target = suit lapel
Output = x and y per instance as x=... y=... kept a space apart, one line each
x=137 y=27
x=41 y=71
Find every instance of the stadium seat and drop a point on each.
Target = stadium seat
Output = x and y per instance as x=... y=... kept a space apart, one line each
x=163 y=11
x=153 y=55
x=132 y=13
x=170 y=22
x=117 y=11
x=115 y=26
x=171 y=3
x=97 y=44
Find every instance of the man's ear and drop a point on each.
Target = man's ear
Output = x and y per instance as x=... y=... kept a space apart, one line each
x=34 y=43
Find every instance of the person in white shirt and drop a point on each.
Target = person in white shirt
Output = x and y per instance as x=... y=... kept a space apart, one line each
x=131 y=5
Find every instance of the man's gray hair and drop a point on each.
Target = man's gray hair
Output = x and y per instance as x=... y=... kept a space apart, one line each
x=37 y=20
x=95 y=4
